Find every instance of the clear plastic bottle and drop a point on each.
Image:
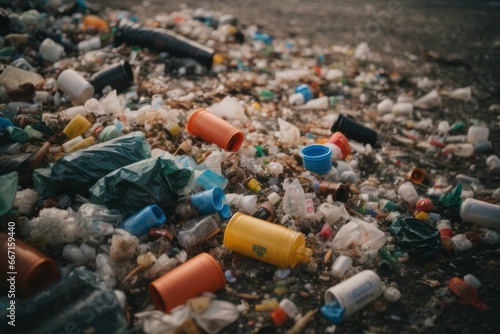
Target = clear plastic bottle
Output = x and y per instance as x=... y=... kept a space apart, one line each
x=198 y=229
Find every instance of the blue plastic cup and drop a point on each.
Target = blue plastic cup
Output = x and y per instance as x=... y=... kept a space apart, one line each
x=317 y=158
x=140 y=223
x=208 y=179
x=208 y=201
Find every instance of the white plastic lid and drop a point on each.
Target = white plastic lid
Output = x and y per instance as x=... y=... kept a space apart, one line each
x=472 y=281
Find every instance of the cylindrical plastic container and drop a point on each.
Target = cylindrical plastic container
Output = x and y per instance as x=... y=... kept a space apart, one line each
x=119 y=76
x=164 y=41
x=481 y=213
x=50 y=50
x=416 y=175
x=208 y=201
x=76 y=127
x=73 y=84
x=356 y=292
x=199 y=274
x=341 y=141
x=341 y=265
x=35 y=271
x=264 y=241
x=355 y=131
x=317 y=158
x=477 y=133
x=407 y=192
x=197 y=230
x=140 y=223
x=213 y=129
x=338 y=191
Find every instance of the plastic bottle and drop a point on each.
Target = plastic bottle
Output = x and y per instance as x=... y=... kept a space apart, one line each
x=294 y=200
x=286 y=309
x=351 y=295
x=302 y=95
x=463 y=242
x=264 y=241
x=81 y=144
x=446 y=233
x=198 y=229
x=266 y=211
x=481 y=213
x=140 y=223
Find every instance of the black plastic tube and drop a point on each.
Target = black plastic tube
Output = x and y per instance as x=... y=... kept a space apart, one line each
x=162 y=40
x=355 y=131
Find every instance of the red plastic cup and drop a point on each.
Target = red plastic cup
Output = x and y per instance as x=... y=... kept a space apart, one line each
x=199 y=274
x=214 y=130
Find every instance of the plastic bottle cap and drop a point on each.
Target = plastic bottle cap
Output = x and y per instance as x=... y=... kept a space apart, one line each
x=472 y=281
x=278 y=315
x=273 y=198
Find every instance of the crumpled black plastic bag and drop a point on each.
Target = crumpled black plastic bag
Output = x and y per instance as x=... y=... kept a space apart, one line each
x=419 y=238
x=151 y=181
x=76 y=172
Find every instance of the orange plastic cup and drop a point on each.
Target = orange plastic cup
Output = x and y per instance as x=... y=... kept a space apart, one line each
x=214 y=130
x=34 y=271
x=416 y=175
x=199 y=274
x=341 y=141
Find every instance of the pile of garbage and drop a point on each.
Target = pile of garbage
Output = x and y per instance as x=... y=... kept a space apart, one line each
x=192 y=174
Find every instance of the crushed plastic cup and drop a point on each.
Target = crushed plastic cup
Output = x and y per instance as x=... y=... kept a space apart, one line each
x=184 y=282
x=140 y=223
x=317 y=158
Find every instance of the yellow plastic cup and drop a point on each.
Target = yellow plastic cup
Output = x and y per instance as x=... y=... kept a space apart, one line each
x=76 y=127
x=264 y=241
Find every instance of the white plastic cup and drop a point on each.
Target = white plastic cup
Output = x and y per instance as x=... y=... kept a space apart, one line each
x=73 y=84
x=481 y=213
x=341 y=265
x=90 y=44
x=356 y=292
x=50 y=50
x=477 y=133
x=407 y=192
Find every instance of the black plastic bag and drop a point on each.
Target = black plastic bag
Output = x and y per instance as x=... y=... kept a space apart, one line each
x=164 y=41
x=151 y=181
x=76 y=172
x=419 y=238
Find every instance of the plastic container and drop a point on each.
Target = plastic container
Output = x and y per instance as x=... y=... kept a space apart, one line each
x=208 y=201
x=264 y=241
x=119 y=76
x=213 y=129
x=302 y=94
x=73 y=84
x=408 y=193
x=140 y=223
x=341 y=265
x=76 y=127
x=317 y=158
x=355 y=131
x=416 y=175
x=207 y=179
x=34 y=271
x=199 y=274
x=341 y=141
x=351 y=295
x=51 y=50
x=477 y=134
x=481 y=213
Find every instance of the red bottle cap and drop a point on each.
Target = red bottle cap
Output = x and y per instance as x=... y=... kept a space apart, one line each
x=341 y=141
